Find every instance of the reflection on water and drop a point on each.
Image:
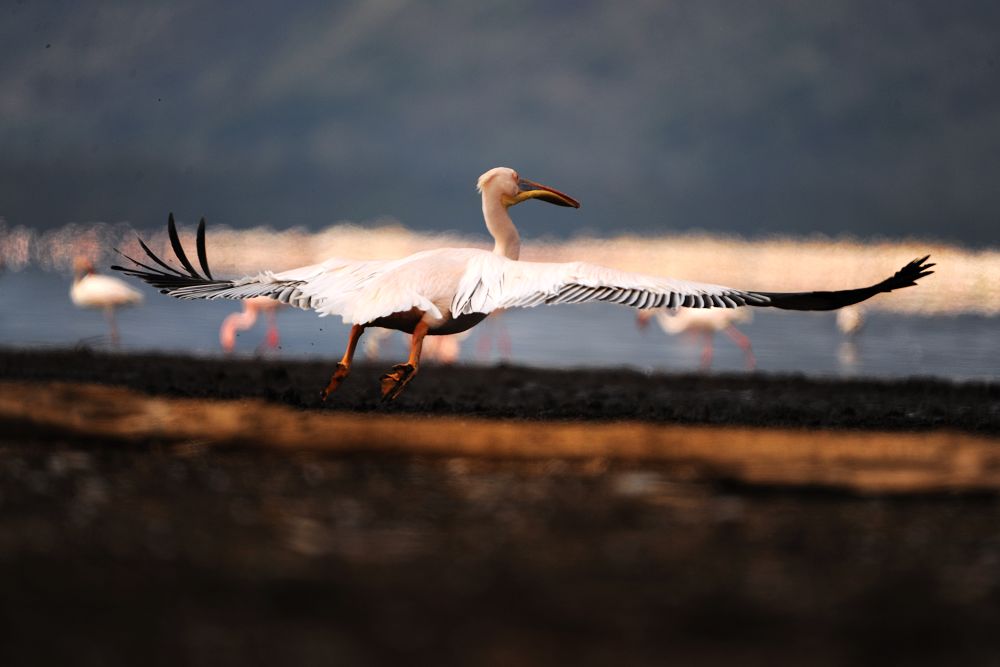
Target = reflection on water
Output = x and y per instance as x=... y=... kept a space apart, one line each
x=35 y=310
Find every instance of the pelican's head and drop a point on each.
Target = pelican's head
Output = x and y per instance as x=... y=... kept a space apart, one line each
x=504 y=184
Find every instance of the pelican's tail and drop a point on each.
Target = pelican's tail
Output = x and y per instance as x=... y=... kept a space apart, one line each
x=189 y=284
x=905 y=277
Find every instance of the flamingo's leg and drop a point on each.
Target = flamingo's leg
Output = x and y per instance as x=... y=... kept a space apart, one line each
x=743 y=341
x=344 y=365
x=503 y=341
x=401 y=374
x=707 y=350
x=109 y=312
x=484 y=344
x=272 y=339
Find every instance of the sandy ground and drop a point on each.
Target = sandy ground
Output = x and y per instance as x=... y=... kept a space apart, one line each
x=176 y=551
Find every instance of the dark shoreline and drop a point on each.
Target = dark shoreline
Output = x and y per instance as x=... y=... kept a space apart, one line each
x=181 y=553
x=532 y=393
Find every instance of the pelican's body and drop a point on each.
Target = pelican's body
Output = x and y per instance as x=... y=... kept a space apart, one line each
x=107 y=293
x=449 y=290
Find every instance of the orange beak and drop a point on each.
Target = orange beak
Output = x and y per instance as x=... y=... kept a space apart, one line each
x=531 y=190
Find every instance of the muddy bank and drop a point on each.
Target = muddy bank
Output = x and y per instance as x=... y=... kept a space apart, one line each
x=528 y=393
x=165 y=550
x=862 y=461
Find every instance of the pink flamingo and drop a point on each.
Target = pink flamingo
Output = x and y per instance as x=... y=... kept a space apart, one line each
x=704 y=324
x=438 y=349
x=246 y=318
x=494 y=331
x=444 y=349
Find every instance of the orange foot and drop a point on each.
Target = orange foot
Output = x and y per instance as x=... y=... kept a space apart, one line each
x=394 y=381
x=335 y=380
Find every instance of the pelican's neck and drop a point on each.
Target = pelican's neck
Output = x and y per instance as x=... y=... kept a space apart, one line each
x=501 y=227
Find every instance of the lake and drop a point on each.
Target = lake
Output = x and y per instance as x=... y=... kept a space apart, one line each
x=35 y=310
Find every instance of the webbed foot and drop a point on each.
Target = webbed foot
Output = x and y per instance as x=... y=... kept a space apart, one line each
x=397 y=378
x=335 y=380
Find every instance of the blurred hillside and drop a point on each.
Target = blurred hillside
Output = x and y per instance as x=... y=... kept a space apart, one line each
x=753 y=118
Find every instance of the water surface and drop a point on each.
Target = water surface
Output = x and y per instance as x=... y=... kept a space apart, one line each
x=35 y=310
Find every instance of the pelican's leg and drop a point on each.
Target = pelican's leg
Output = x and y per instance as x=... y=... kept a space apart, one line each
x=743 y=341
x=400 y=374
x=344 y=365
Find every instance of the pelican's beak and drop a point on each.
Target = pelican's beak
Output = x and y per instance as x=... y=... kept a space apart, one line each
x=531 y=190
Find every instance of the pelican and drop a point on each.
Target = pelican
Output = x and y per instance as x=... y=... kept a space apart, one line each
x=92 y=290
x=449 y=290
x=703 y=324
x=246 y=318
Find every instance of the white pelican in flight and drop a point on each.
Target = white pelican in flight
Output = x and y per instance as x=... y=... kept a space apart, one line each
x=92 y=290
x=449 y=290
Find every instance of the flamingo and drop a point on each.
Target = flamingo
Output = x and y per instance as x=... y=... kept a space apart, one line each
x=246 y=318
x=93 y=290
x=704 y=324
x=850 y=320
x=495 y=332
x=449 y=290
x=442 y=349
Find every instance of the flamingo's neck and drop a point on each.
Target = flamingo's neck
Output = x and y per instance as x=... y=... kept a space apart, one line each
x=501 y=227
x=236 y=322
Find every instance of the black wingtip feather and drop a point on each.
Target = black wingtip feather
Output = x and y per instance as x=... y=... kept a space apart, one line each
x=909 y=274
x=905 y=277
x=152 y=269
x=175 y=241
x=202 y=254
x=168 y=279
x=153 y=256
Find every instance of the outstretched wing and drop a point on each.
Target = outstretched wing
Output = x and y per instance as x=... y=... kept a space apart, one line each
x=493 y=283
x=359 y=291
x=905 y=277
x=189 y=284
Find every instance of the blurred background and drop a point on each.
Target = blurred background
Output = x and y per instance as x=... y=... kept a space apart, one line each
x=700 y=138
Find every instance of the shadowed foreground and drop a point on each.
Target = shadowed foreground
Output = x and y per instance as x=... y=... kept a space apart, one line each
x=172 y=550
